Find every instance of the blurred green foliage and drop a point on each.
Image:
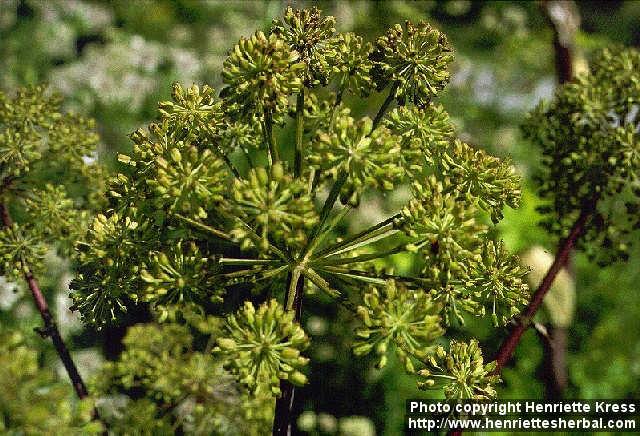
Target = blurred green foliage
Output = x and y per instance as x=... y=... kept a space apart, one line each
x=115 y=60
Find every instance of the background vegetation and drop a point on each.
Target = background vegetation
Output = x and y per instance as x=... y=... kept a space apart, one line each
x=115 y=60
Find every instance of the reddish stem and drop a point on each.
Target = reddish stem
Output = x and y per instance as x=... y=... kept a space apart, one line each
x=50 y=327
x=509 y=345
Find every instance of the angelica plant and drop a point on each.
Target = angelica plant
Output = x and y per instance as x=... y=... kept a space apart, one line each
x=588 y=134
x=215 y=213
x=39 y=144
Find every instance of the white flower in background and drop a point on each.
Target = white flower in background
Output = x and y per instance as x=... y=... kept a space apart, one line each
x=109 y=73
x=8 y=294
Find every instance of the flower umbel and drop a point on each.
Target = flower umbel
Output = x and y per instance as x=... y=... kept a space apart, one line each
x=263 y=346
x=461 y=372
x=369 y=158
x=395 y=315
x=414 y=58
x=499 y=280
x=260 y=73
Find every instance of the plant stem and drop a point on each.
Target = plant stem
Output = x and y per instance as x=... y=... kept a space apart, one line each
x=218 y=233
x=326 y=210
x=511 y=342
x=284 y=404
x=372 y=232
x=50 y=327
x=268 y=136
x=337 y=260
x=297 y=167
x=385 y=105
x=509 y=345
x=224 y=157
x=562 y=16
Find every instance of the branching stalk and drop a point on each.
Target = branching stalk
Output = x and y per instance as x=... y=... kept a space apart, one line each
x=511 y=342
x=269 y=138
x=284 y=404
x=50 y=328
x=297 y=167
x=385 y=105
x=371 y=232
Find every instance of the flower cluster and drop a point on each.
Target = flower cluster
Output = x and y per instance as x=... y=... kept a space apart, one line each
x=180 y=384
x=395 y=315
x=414 y=59
x=36 y=140
x=370 y=158
x=461 y=372
x=499 y=279
x=264 y=346
x=260 y=73
x=490 y=180
x=180 y=275
x=588 y=134
x=426 y=133
x=350 y=64
x=275 y=207
x=16 y=247
x=235 y=199
x=308 y=33
x=35 y=399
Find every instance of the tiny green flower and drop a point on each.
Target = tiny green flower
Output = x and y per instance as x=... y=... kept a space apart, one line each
x=260 y=73
x=194 y=108
x=350 y=64
x=107 y=276
x=188 y=180
x=17 y=246
x=275 y=206
x=446 y=225
x=263 y=346
x=395 y=315
x=461 y=372
x=490 y=180
x=414 y=58
x=369 y=158
x=308 y=33
x=426 y=133
x=499 y=279
x=179 y=276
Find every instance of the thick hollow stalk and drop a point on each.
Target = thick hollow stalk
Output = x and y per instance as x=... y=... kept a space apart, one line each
x=511 y=342
x=509 y=345
x=50 y=327
x=284 y=404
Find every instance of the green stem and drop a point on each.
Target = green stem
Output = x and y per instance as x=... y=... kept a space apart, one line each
x=299 y=131
x=284 y=404
x=385 y=105
x=370 y=233
x=254 y=236
x=321 y=283
x=213 y=231
x=269 y=137
x=326 y=208
x=362 y=258
x=293 y=285
x=325 y=232
x=224 y=157
x=378 y=278
x=335 y=107
x=360 y=276
x=227 y=161
x=234 y=261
